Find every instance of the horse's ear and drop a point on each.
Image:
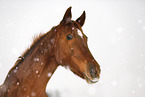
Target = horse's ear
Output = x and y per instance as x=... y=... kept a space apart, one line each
x=67 y=16
x=81 y=19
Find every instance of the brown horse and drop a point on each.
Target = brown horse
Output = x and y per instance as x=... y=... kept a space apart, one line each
x=65 y=45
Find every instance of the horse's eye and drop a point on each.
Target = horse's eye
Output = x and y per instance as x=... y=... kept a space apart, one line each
x=69 y=37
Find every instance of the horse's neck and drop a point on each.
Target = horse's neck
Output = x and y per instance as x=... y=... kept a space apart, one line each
x=30 y=76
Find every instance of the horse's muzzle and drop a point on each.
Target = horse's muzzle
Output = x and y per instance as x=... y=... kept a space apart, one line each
x=93 y=72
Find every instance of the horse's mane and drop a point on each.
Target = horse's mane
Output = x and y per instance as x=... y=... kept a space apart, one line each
x=36 y=40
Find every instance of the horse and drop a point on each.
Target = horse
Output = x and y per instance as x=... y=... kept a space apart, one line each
x=64 y=45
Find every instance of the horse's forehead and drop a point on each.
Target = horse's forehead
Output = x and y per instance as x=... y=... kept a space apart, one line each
x=72 y=27
x=74 y=24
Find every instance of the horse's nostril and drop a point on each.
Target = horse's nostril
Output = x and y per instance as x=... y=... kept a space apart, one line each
x=93 y=71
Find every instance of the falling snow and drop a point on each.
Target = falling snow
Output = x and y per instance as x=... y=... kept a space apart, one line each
x=41 y=43
x=16 y=67
x=33 y=94
x=139 y=21
x=67 y=67
x=49 y=74
x=55 y=30
x=73 y=28
x=42 y=52
x=141 y=55
x=60 y=62
x=10 y=24
x=140 y=85
x=36 y=59
x=8 y=90
x=25 y=89
x=41 y=63
x=52 y=40
x=133 y=91
x=18 y=83
x=37 y=71
x=116 y=39
x=8 y=75
x=120 y=29
x=15 y=70
x=114 y=83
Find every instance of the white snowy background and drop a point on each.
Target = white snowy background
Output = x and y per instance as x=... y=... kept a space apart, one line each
x=116 y=38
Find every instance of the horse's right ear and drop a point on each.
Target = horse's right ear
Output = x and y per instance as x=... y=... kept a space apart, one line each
x=81 y=19
x=67 y=16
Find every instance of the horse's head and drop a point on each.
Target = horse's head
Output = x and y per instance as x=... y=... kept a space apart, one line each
x=71 y=48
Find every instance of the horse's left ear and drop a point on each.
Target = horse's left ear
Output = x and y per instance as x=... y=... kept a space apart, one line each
x=67 y=16
x=81 y=19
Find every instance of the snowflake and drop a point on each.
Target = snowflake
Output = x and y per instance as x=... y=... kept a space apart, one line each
x=36 y=71
x=36 y=59
x=49 y=74
x=139 y=21
x=41 y=63
x=18 y=83
x=114 y=83
x=33 y=94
